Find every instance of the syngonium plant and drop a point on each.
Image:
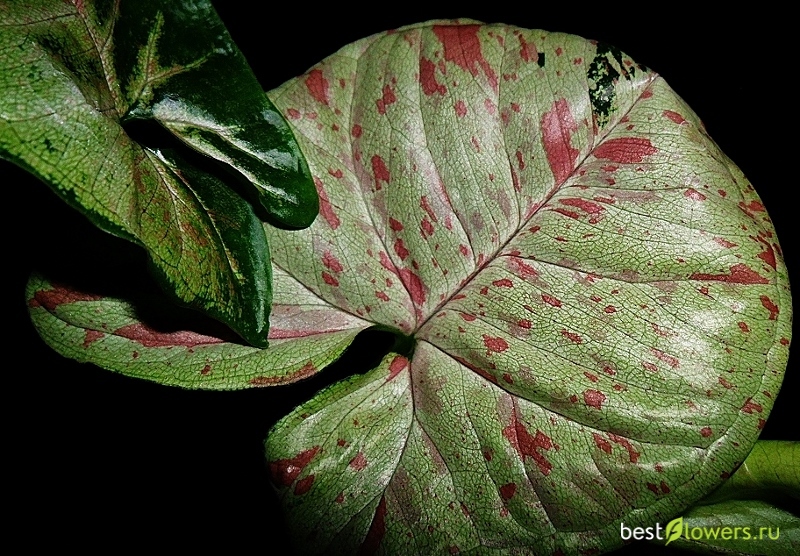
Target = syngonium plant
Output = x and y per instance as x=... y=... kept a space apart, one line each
x=592 y=320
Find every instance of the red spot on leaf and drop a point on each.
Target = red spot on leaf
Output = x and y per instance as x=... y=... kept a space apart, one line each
x=590 y=376
x=331 y=262
x=303 y=485
x=601 y=443
x=494 y=344
x=750 y=406
x=382 y=296
x=674 y=116
x=149 y=337
x=525 y=323
x=725 y=383
x=571 y=336
x=594 y=398
x=317 y=86
x=400 y=249
x=325 y=208
x=521 y=268
x=770 y=306
x=633 y=455
x=528 y=446
x=467 y=317
x=694 y=194
x=359 y=462
x=427 y=78
x=503 y=283
x=59 y=295
x=91 y=336
x=396 y=366
x=293 y=114
x=508 y=490
x=380 y=171
x=377 y=530
x=461 y=109
x=625 y=150
x=285 y=471
x=768 y=255
x=743 y=327
x=414 y=285
x=706 y=432
x=610 y=309
x=550 y=300
x=740 y=274
x=724 y=242
x=557 y=129
x=356 y=131
x=666 y=358
x=330 y=279
x=527 y=50
x=395 y=225
x=463 y=48
x=387 y=99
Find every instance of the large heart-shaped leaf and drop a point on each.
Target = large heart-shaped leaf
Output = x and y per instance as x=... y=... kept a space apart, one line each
x=74 y=75
x=597 y=301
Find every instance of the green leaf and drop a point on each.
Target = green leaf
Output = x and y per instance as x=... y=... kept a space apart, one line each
x=771 y=471
x=596 y=300
x=74 y=75
x=739 y=527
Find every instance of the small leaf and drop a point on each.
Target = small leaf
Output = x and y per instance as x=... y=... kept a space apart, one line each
x=108 y=332
x=73 y=75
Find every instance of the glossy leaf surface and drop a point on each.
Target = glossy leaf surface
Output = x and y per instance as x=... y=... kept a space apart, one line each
x=597 y=298
x=73 y=75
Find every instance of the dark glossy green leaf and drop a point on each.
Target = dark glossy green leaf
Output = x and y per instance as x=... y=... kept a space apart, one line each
x=73 y=75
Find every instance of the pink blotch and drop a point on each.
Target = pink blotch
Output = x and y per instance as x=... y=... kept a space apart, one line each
x=494 y=344
x=317 y=86
x=724 y=242
x=359 y=462
x=594 y=398
x=414 y=285
x=770 y=306
x=666 y=358
x=625 y=150
x=426 y=228
x=427 y=78
x=550 y=300
x=694 y=194
x=467 y=317
x=382 y=296
x=601 y=443
x=385 y=100
x=424 y=205
x=461 y=109
x=149 y=337
x=331 y=262
x=633 y=455
x=396 y=366
x=674 y=116
x=527 y=51
x=525 y=323
x=750 y=406
x=463 y=48
x=330 y=279
x=572 y=336
x=293 y=114
x=739 y=274
x=325 y=208
x=380 y=171
x=503 y=283
x=557 y=129
x=528 y=446
x=400 y=249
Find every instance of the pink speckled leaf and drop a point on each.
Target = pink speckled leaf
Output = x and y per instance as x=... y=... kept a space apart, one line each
x=599 y=308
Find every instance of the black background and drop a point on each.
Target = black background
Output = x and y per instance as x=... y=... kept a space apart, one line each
x=97 y=455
